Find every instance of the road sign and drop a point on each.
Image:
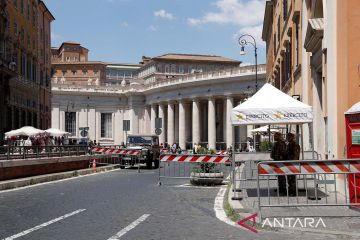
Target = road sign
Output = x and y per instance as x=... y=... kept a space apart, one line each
x=158 y=122
x=126 y=125
x=158 y=131
x=84 y=131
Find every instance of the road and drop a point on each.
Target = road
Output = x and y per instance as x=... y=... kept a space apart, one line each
x=120 y=204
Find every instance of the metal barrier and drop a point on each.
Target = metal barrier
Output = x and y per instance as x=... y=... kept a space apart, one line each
x=24 y=152
x=126 y=158
x=199 y=168
x=245 y=169
x=321 y=189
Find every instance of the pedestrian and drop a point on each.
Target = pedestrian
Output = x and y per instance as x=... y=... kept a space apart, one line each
x=161 y=146
x=292 y=153
x=174 y=148
x=278 y=153
x=194 y=149
x=178 y=150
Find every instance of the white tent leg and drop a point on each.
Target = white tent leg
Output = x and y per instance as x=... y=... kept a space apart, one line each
x=311 y=132
x=302 y=141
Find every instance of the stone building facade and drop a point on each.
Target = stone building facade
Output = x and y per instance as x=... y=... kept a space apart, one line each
x=25 y=51
x=312 y=51
x=194 y=107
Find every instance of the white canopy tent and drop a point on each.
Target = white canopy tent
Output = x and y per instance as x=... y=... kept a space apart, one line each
x=270 y=106
x=56 y=132
x=24 y=131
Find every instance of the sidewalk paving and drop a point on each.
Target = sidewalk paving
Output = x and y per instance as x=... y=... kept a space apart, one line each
x=339 y=220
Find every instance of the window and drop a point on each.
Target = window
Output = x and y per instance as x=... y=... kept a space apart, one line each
x=70 y=123
x=181 y=69
x=75 y=48
x=173 y=69
x=63 y=73
x=285 y=9
x=75 y=59
x=95 y=72
x=85 y=72
x=74 y=73
x=106 y=125
x=167 y=69
x=22 y=6
x=68 y=59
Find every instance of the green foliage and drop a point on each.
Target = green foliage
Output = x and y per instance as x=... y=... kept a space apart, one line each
x=205 y=167
x=265 y=146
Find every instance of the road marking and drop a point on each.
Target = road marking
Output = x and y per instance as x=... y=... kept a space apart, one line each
x=188 y=185
x=129 y=227
x=44 y=225
x=219 y=209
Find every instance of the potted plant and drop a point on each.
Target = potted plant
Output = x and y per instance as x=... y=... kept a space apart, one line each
x=206 y=173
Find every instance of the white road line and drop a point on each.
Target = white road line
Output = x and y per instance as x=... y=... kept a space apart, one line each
x=129 y=227
x=219 y=209
x=44 y=225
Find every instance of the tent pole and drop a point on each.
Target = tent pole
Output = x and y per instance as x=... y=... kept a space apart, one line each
x=302 y=142
x=312 y=138
x=269 y=132
x=233 y=161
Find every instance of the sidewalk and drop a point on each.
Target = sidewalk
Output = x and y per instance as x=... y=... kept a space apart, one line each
x=337 y=220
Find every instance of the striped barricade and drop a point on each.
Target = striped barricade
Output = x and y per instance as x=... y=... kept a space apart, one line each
x=198 y=168
x=308 y=183
x=116 y=151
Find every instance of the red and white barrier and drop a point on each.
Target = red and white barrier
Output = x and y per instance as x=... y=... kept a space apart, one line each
x=309 y=167
x=194 y=158
x=116 y=151
x=222 y=153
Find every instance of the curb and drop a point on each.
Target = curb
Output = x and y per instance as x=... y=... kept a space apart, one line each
x=23 y=182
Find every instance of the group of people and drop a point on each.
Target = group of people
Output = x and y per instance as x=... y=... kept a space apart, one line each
x=282 y=152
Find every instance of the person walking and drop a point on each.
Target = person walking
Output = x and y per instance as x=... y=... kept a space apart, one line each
x=278 y=153
x=292 y=153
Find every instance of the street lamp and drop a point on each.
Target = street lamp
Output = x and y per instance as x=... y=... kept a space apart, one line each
x=244 y=41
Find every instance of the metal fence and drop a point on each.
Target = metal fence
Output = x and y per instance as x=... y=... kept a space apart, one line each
x=199 y=168
x=24 y=152
x=245 y=169
x=308 y=183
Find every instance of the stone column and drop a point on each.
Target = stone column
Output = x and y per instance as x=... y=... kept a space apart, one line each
x=147 y=120
x=229 y=127
x=170 y=129
x=176 y=135
x=98 y=127
x=162 y=116
x=195 y=122
x=153 y=117
x=55 y=123
x=134 y=121
x=182 y=118
x=211 y=124
x=92 y=123
x=62 y=120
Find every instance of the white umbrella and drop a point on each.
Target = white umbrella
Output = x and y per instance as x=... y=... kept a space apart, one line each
x=24 y=131
x=56 y=132
x=264 y=129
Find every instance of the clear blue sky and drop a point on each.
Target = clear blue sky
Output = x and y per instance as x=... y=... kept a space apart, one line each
x=124 y=30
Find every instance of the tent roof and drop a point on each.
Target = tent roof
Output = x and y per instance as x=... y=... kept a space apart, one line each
x=24 y=131
x=354 y=109
x=271 y=106
x=56 y=132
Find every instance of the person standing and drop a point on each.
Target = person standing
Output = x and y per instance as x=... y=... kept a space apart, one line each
x=292 y=153
x=278 y=153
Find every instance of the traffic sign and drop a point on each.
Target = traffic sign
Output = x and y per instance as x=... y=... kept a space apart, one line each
x=158 y=131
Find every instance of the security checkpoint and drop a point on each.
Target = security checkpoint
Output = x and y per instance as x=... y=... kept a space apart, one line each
x=310 y=183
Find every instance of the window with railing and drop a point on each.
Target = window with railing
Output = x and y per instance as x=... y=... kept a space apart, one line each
x=106 y=125
x=70 y=123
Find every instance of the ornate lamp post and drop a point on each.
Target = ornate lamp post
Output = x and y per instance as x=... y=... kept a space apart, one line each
x=245 y=40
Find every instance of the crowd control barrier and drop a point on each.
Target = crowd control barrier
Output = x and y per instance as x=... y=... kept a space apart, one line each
x=308 y=183
x=199 y=168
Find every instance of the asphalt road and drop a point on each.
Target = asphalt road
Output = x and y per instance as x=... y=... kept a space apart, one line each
x=122 y=204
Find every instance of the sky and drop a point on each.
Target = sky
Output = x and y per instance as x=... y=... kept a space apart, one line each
x=122 y=31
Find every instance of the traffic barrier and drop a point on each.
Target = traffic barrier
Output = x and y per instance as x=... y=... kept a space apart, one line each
x=308 y=183
x=245 y=169
x=222 y=152
x=199 y=168
x=105 y=150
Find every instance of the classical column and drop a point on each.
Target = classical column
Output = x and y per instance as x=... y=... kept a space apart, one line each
x=195 y=122
x=229 y=128
x=147 y=119
x=170 y=130
x=182 y=117
x=153 y=117
x=162 y=116
x=176 y=135
x=134 y=121
x=211 y=124
x=55 y=123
